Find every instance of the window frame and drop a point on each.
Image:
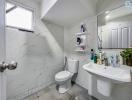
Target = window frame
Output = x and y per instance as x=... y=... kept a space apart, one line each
x=26 y=8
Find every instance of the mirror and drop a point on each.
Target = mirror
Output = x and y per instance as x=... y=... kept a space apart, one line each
x=115 y=28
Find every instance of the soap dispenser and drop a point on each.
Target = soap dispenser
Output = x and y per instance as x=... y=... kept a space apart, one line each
x=112 y=61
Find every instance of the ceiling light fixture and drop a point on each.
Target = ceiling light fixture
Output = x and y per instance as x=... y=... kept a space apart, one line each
x=107 y=12
x=107 y=17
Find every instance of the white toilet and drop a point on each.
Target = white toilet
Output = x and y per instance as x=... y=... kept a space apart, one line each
x=63 y=78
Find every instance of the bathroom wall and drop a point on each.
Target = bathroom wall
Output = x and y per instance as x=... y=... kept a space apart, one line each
x=39 y=55
x=2 y=50
x=70 y=47
x=120 y=92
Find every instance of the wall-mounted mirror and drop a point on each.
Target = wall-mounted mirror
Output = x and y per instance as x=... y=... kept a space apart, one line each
x=115 y=28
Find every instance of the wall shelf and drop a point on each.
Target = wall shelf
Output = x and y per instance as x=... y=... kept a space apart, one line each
x=80 y=42
x=80 y=34
x=80 y=45
x=80 y=50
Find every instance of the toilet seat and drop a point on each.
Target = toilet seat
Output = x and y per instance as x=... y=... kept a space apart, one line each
x=63 y=76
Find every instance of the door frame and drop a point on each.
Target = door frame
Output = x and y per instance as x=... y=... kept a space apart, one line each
x=2 y=50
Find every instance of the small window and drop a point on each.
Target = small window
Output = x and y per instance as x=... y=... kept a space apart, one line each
x=18 y=17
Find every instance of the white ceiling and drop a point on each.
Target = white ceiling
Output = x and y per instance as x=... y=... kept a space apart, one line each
x=122 y=11
x=68 y=12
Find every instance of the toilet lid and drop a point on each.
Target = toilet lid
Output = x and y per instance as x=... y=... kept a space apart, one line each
x=64 y=75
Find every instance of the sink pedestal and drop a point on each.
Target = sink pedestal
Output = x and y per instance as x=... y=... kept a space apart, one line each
x=104 y=87
x=90 y=85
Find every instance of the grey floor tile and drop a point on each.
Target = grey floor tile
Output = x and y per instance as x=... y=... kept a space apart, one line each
x=50 y=93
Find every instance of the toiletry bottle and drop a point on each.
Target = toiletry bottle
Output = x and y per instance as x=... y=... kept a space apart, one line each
x=83 y=29
x=95 y=58
x=79 y=40
x=100 y=57
x=92 y=54
x=117 y=60
x=98 y=60
x=113 y=61
x=106 y=62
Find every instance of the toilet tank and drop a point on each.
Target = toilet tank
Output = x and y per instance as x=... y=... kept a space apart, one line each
x=73 y=65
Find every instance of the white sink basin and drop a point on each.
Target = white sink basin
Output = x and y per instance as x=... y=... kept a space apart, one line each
x=107 y=75
x=119 y=74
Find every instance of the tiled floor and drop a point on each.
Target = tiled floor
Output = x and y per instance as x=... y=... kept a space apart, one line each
x=50 y=93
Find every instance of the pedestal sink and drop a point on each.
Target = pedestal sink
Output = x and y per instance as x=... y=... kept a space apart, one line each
x=107 y=76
